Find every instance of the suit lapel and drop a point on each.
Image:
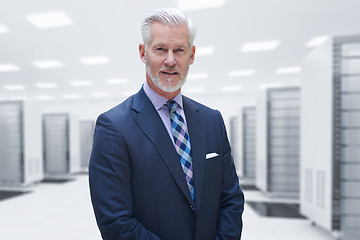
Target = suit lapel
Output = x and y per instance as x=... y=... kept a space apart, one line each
x=151 y=124
x=196 y=131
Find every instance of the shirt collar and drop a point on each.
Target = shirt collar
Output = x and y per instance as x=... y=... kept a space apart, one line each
x=159 y=101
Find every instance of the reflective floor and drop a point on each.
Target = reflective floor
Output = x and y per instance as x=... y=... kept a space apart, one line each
x=62 y=210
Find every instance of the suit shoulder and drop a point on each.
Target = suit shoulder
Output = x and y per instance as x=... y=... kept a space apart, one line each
x=203 y=108
x=120 y=111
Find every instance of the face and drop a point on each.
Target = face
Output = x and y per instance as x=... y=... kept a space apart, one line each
x=167 y=58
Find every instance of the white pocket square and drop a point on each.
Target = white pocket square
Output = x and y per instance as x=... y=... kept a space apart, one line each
x=211 y=155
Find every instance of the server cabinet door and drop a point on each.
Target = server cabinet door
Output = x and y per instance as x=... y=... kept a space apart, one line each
x=249 y=142
x=86 y=141
x=347 y=130
x=56 y=143
x=11 y=143
x=283 y=141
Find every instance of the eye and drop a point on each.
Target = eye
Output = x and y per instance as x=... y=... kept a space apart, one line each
x=160 y=49
x=179 y=50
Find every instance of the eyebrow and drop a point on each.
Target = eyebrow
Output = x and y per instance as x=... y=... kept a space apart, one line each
x=163 y=44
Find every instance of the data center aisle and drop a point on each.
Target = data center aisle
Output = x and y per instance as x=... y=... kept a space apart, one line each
x=52 y=210
x=62 y=210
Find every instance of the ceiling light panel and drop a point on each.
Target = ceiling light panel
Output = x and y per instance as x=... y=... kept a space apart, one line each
x=94 y=60
x=45 y=98
x=81 y=83
x=115 y=81
x=198 y=76
x=14 y=87
x=199 y=4
x=231 y=89
x=272 y=85
x=46 y=85
x=129 y=93
x=241 y=73
x=49 y=19
x=8 y=67
x=194 y=90
x=18 y=98
x=204 y=51
x=289 y=70
x=317 y=41
x=101 y=95
x=260 y=46
x=72 y=96
x=44 y=64
x=3 y=29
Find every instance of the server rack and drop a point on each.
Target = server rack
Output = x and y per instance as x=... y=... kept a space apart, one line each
x=247 y=155
x=233 y=138
x=279 y=145
x=20 y=143
x=331 y=185
x=86 y=141
x=61 y=145
x=347 y=135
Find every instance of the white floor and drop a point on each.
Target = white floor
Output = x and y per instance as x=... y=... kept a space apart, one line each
x=63 y=211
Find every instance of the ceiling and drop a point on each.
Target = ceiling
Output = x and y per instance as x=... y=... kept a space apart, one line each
x=111 y=28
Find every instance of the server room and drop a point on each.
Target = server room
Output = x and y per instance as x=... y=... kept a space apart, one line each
x=284 y=74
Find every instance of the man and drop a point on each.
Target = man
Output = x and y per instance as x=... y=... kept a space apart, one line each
x=161 y=165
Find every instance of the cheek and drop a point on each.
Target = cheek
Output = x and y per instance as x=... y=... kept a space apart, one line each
x=155 y=64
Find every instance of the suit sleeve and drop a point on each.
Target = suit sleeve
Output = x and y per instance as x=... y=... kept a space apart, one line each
x=110 y=185
x=231 y=207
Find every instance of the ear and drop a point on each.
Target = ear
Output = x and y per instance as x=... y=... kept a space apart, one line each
x=192 y=55
x=142 y=52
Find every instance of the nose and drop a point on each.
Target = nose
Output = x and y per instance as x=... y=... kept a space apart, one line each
x=170 y=59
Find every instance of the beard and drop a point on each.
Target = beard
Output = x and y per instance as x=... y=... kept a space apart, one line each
x=166 y=88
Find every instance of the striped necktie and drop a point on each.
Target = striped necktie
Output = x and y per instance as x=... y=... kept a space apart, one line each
x=182 y=144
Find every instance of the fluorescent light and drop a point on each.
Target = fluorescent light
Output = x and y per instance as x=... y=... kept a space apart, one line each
x=260 y=46
x=241 y=73
x=288 y=70
x=17 y=98
x=49 y=19
x=115 y=81
x=14 y=87
x=3 y=29
x=199 y=4
x=101 y=95
x=128 y=93
x=94 y=60
x=81 y=83
x=45 y=98
x=271 y=85
x=317 y=41
x=194 y=90
x=48 y=64
x=197 y=75
x=204 y=51
x=8 y=67
x=46 y=85
x=231 y=89
x=72 y=96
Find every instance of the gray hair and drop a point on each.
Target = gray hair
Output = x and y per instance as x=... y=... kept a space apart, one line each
x=170 y=16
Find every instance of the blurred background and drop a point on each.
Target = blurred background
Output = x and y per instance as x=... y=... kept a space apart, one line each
x=285 y=75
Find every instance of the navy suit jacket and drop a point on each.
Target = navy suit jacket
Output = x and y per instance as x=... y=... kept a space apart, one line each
x=138 y=188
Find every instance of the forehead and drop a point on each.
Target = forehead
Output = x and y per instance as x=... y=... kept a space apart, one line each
x=169 y=34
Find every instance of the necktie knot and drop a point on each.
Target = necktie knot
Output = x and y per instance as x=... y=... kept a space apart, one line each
x=171 y=104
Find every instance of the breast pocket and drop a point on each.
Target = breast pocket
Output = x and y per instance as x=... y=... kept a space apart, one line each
x=212 y=184
x=213 y=170
x=214 y=161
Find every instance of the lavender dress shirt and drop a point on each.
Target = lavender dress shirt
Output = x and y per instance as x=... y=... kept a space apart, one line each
x=159 y=103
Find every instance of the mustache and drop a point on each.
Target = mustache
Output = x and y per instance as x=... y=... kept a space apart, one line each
x=170 y=69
